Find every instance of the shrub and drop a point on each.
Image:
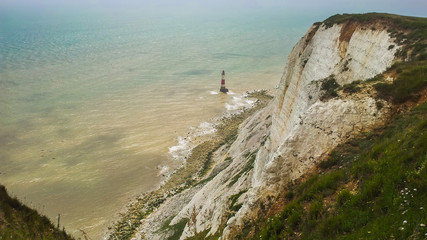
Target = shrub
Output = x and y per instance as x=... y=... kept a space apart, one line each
x=406 y=86
x=379 y=105
x=329 y=83
x=377 y=78
x=324 y=185
x=329 y=86
x=384 y=90
x=329 y=94
x=289 y=195
x=330 y=162
x=422 y=56
x=295 y=215
x=329 y=226
x=351 y=87
x=343 y=197
x=316 y=209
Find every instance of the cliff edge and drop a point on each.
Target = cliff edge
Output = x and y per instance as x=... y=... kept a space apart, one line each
x=17 y=221
x=340 y=81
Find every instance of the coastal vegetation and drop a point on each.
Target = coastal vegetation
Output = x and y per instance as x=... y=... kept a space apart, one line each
x=351 y=87
x=374 y=185
x=371 y=187
x=409 y=31
x=329 y=87
x=18 y=221
x=412 y=78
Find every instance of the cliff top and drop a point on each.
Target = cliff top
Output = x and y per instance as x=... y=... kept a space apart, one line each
x=405 y=22
x=411 y=32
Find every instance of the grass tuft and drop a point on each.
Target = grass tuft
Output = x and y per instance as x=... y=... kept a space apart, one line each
x=407 y=85
x=388 y=168
x=17 y=221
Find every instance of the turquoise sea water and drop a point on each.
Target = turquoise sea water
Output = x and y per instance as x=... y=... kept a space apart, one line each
x=91 y=102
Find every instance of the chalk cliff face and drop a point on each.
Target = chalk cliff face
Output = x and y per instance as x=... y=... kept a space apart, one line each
x=350 y=52
x=294 y=132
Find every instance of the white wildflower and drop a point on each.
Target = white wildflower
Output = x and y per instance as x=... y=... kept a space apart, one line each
x=404 y=222
x=422 y=225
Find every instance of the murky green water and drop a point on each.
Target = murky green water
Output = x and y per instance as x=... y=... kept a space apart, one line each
x=91 y=102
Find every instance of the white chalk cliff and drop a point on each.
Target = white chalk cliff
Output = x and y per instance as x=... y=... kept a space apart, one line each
x=294 y=132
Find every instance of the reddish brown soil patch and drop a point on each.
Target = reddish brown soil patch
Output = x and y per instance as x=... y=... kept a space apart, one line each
x=346 y=33
x=310 y=36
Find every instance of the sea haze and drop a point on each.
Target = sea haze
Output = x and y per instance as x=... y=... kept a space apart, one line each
x=91 y=102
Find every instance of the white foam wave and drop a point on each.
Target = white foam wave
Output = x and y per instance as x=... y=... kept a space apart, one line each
x=213 y=92
x=164 y=170
x=205 y=128
x=238 y=103
x=181 y=149
x=230 y=107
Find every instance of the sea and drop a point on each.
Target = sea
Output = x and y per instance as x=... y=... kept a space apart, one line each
x=95 y=105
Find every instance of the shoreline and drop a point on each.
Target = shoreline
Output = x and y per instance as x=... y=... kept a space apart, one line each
x=196 y=170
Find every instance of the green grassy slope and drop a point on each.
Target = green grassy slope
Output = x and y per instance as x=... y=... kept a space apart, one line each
x=18 y=221
x=373 y=186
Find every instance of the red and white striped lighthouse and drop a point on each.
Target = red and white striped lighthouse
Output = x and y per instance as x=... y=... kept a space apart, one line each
x=223 y=89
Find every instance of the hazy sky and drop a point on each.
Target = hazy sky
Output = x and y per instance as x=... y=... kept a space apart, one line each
x=321 y=8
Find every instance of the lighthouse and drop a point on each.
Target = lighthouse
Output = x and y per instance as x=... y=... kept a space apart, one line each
x=223 y=89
